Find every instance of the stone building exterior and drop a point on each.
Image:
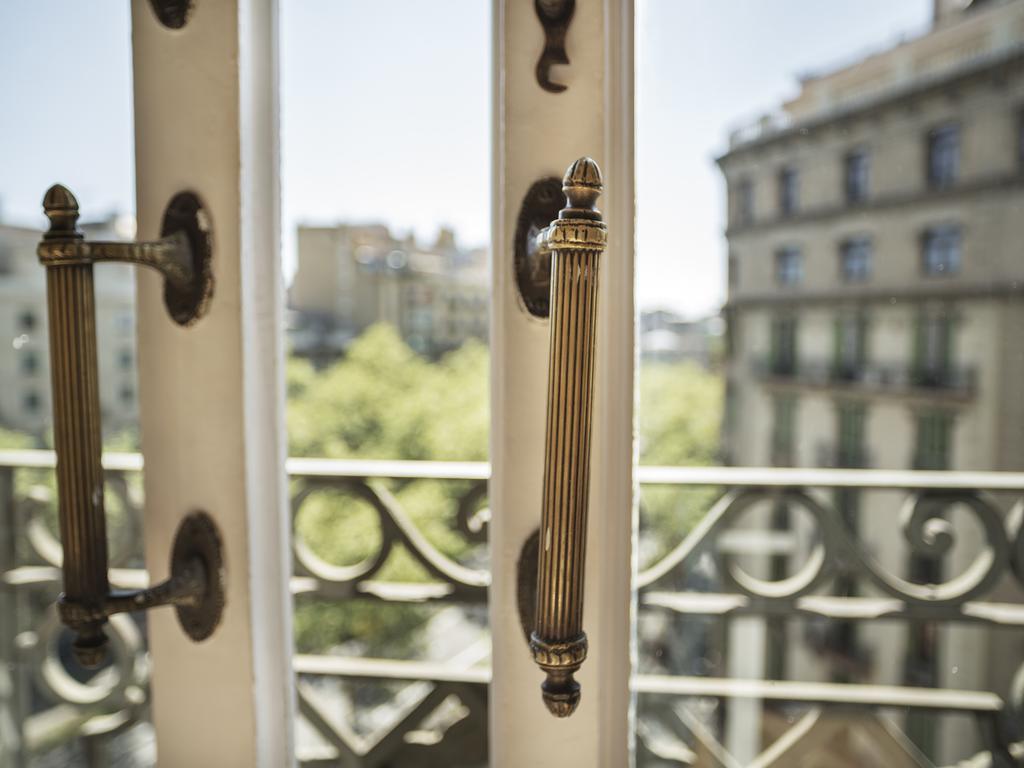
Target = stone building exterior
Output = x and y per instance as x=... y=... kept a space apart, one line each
x=352 y=276
x=24 y=343
x=876 y=306
x=875 y=262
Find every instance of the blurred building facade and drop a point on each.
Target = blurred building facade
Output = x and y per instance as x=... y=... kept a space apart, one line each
x=352 y=276
x=875 y=263
x=667 y=337
x=24 y=350
x=875 y=312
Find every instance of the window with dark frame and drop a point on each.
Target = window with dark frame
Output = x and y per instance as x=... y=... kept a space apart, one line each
x=734 y=270
x=789 y=265
x=941 y=248
x=852 y=419
x=1020 y=140
x=855 y=255
x=29 y=362
x=857 y=176
x=789 y=191
x=850 y=349
x=744 y=201
x=934 y=441
x=943 y=156
x=27 y=321
x=783 y=429
x=6 y=258
x=31 y=402
x=784 y=345
x=933 y=347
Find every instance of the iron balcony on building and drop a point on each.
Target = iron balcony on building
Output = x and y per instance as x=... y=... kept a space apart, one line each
x=947 y=382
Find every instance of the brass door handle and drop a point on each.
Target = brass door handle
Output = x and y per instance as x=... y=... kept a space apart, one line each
x=575 y=242
x=183 y=256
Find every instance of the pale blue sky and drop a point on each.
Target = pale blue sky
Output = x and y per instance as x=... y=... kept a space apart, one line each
x=385 y=111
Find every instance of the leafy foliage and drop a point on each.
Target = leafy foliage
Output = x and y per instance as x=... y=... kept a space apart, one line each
x=680 y=416
x=382 y=401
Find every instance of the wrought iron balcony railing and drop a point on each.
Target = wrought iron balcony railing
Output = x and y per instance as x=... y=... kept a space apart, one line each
x=718 y=570
x=951 y=381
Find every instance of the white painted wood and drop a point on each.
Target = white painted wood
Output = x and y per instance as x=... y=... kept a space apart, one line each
x=536 y=134
x=212 y=399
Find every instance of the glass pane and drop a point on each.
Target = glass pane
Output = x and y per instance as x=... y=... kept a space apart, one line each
x=67 y=91
x=836 y=306
x=386 y=216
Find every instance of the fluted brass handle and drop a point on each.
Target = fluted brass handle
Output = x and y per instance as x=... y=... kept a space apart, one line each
x=183 y=257
x=576 y=241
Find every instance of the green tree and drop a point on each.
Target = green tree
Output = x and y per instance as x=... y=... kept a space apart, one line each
x=680 y=418
x=382 y=401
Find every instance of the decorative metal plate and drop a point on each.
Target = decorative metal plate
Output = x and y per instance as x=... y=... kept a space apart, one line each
x=186 y=213
x=540 y=207
x=199 y=538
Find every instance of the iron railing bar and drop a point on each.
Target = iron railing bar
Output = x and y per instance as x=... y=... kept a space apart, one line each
x=432 y=470
x=842 y=694
x=835 y=607
x=756 y=477
x=839 y=694
x=869 y=479
x=388 y=669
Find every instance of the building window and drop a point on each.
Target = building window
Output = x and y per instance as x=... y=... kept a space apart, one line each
x=1020 y=140
x=31 y=402
x=852 y=418
x=789 y=191
x=6 y=259
x=783 y=346
x=933 y=349
x=127 y=395
x=734 y=270
x=29 y=362
x=850 y=346
x=789 y=266
x=27 y=321
x=943 y=156
x=857 y=176
x=124 y=359
x=783 y=430
x=855 y=259
x=743 y=202
x=933 y=448
x=940 y=250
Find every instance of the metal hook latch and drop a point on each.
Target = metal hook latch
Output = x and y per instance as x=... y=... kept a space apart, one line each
x=554 y=16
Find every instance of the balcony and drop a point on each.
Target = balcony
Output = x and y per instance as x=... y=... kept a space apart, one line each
x=949 y=383
x=437 y=711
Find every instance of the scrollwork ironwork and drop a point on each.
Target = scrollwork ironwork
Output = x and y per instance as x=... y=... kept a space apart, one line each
x=117 y=697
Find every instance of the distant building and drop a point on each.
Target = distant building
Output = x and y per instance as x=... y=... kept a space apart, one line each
x=352 y=276
x=668 y=337
x=875 y=263
x=25 y=404
x=876 y=306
